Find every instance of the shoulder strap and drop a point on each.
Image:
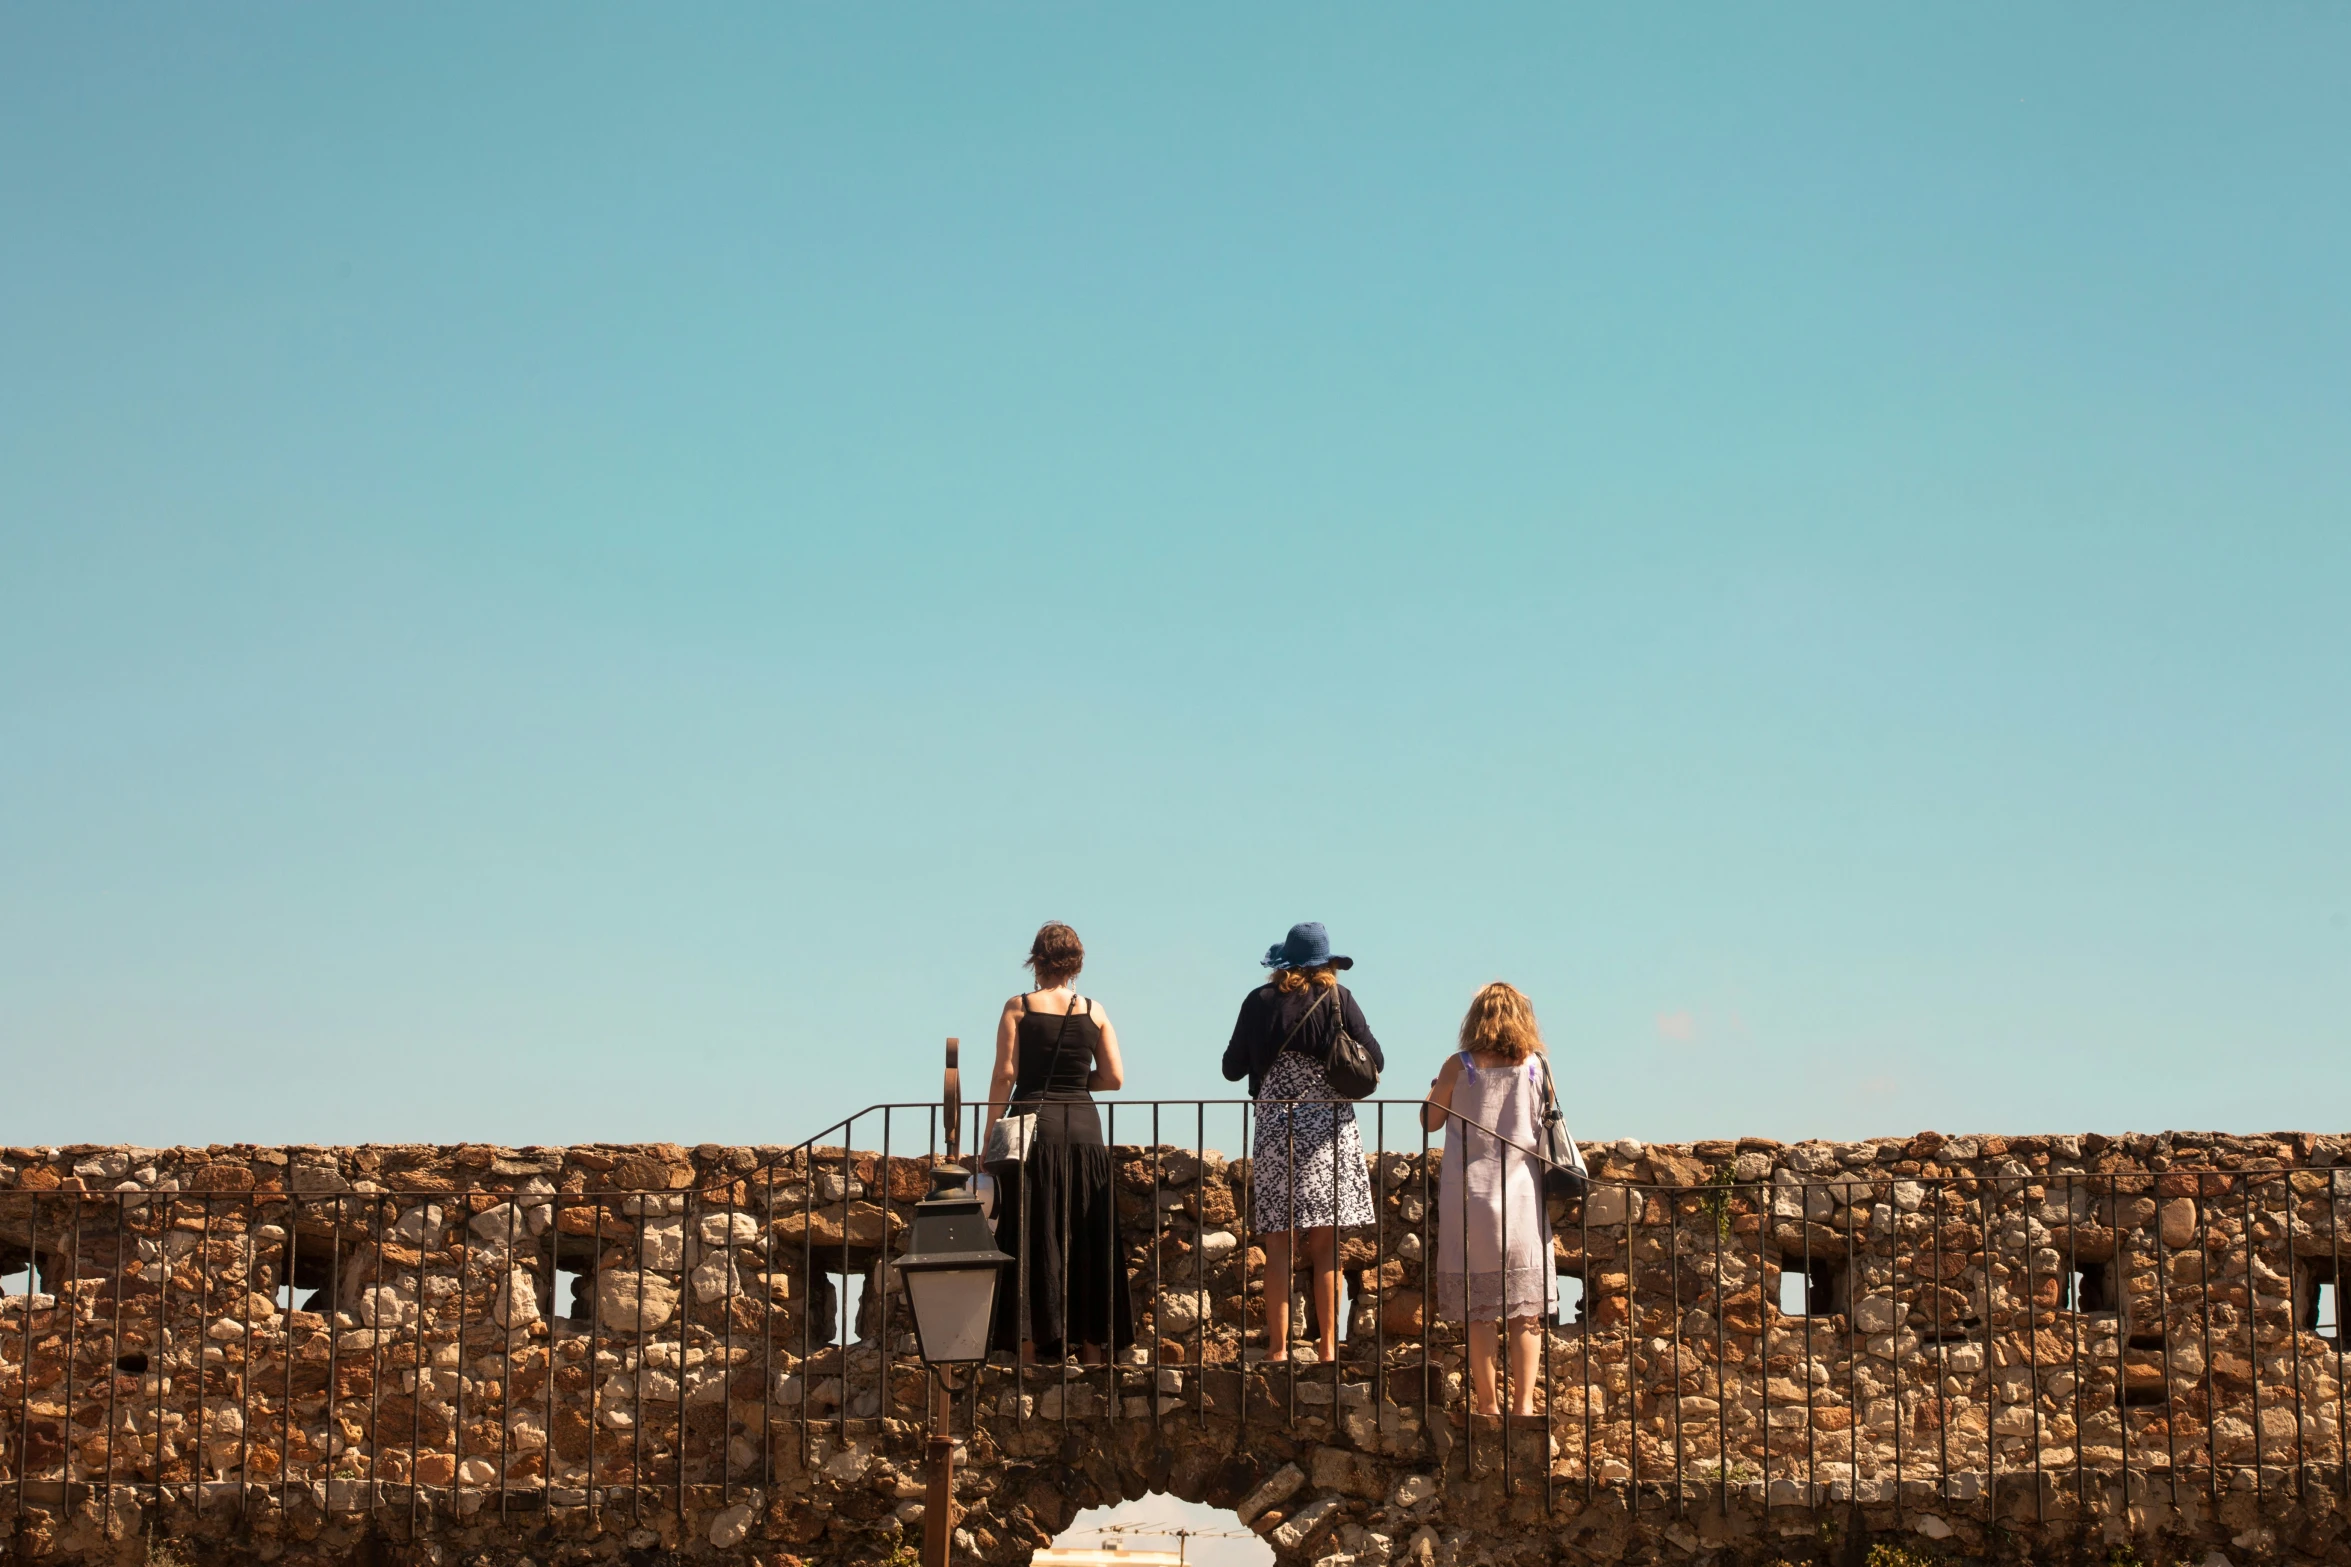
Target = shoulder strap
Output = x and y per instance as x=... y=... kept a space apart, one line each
x=1302 y=1020
x=1060 y=1038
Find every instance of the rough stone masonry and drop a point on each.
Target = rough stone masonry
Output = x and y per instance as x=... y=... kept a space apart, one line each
x=1982 y=1347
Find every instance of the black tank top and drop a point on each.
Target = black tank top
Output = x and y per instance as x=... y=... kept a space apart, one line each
x=1039 y=1032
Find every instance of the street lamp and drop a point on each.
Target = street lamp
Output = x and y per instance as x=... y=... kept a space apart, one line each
x=951 y=1266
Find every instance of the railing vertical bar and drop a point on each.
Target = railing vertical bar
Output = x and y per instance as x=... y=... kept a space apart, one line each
x=1112 y=1262
x=160 y=1362
x=1546 y=1319
x=1936 y=1190
x=68 y=1295
x=1024 y=1334
x=285 y=1415
x=2032 y=1341
x=1294 y=1246
x=1200 y=1272
x=1811 y=1440
x=2293 y=1348
x=2252 y=1337
x=2120 y=1272
x=1901 y=1324
x=1066 y=1349
x=689 y=1223
x=1853 y=1360
x=1764 y=1306
x=847 y=1327
x=114 y=1373
x=2335 y=1260
x=1429 y=1189
x=422 y=1370
x=2072 y=1295
x=2171 y=1420
x=1250 y=1239
x=1457 y=1156
x=203 y=1335
x=1585 y=1323
x=1158 y=1228
x=808 y=1299
x=636 y=1368
x=1991 y=1212
x=464 y=1202
x=375 y=1371
x=882 y=1281
x=2204 y=1294
x=1331 y=1329
x=1379 y=1255
x=24 y=1382
x=1673 y=1235
x=593 y=1497
x=1633 y=1201
x=506 y=1369
x=1722 y=1366
x=559 y=1310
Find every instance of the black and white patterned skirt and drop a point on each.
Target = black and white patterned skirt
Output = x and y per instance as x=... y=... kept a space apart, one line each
x=1306 y=1167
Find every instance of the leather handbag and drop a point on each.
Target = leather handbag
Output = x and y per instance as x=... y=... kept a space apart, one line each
x=1349 y=1066
x=1011 y=1138
x=1564 y=1174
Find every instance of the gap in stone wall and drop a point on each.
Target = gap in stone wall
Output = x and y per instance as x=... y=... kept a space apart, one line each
x=853 y=1296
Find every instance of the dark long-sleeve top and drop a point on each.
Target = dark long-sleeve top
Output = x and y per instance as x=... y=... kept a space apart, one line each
x=1268 y=1015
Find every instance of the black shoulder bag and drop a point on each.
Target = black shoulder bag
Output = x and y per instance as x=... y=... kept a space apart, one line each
x=1349 y=1066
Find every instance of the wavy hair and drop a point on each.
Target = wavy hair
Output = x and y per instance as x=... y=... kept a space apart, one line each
x=1501 y=1022
x=1289 y=979
x=1056 y=955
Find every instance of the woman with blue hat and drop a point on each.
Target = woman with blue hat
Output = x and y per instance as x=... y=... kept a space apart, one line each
x=1307 y=1174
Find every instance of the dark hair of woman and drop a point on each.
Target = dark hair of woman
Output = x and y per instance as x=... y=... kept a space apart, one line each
x=1056 y=956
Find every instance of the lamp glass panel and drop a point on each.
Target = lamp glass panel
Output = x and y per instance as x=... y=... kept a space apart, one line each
x=952 y=1309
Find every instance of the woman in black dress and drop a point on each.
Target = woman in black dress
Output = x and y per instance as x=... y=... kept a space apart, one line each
x=1056 y=1210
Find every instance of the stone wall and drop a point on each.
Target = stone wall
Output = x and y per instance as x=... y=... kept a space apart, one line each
x=2000 y=1347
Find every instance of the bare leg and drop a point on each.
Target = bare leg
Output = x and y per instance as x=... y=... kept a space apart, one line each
x=1526 y=1362
x=1484 y=1352
x=1277 y=1294
x=1322 y=1251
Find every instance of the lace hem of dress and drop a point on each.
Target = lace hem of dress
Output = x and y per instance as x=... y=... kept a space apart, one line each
x=1532 y=1292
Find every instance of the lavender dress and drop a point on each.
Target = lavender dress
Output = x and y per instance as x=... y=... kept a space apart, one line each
x=1490 y=1200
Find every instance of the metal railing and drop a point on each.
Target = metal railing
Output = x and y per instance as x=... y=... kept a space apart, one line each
x=1988 y=1335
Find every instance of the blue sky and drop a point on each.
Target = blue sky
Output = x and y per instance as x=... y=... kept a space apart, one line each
x=583 y=572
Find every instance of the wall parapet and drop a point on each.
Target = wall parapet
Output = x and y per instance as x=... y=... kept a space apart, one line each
x=1994 y=1345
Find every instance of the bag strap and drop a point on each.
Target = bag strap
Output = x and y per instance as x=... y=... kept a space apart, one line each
x=1302 y=1021
x=1551 y=1113
x=1060 y=1038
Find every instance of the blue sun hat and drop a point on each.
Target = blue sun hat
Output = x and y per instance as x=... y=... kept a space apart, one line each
x=1307 y=946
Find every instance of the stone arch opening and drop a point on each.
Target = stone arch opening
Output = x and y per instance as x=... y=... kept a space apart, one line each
x=1157 y=1530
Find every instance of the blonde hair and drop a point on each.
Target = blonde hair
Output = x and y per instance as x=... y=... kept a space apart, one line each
x=1289 y=979
x=1501 y=1022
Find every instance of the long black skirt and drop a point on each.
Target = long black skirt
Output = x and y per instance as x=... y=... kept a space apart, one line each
x=1057 y=1214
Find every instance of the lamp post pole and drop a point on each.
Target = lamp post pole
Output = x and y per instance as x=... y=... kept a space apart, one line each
x=938 y=1523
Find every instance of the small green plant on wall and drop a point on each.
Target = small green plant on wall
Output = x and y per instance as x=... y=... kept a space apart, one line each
x=1717 y=1199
